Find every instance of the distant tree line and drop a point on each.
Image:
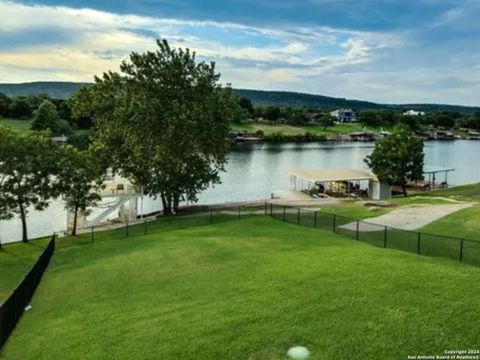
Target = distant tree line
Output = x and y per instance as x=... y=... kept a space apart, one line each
x=373 y=118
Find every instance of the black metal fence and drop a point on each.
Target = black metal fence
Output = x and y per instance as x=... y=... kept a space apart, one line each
x=12 y=309
x=464 y=250
x=97 y=233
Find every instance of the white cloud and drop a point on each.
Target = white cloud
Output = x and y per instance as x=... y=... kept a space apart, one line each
x=287 y=58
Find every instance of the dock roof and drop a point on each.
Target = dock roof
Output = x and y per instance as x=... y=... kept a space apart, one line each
x=329 y=175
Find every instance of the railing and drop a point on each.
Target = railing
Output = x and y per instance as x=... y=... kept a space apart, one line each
x=92 y=234
x=464 y=250
x=12 y=309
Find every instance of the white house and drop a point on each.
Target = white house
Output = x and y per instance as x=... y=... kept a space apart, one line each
x=345 y=115
x=413 y=113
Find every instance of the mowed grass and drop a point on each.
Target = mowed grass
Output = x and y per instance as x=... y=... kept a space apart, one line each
x=246 y=289
x=20 y=125
x=300 y=130
x=461 y=224
x=469 y=192
x=15 y=261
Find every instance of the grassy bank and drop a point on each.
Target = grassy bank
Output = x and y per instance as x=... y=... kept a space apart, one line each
x=246 y=289
x=20 y=125
x=15 y=261
x=463 y=224
x=288 y=130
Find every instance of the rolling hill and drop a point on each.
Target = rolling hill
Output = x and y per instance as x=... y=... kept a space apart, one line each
x=63 y=90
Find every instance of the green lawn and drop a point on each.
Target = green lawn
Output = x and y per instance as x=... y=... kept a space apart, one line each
x=246 y=289
x=300 y=130
x=15 y=261
x=463 y=224
x=20 y=125
x=470 y=192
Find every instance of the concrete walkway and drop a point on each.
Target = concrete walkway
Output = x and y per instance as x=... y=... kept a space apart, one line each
x=407 y=217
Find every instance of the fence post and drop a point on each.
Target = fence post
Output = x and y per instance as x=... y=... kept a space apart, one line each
x=334 y=223
x=145 y=227
x=385 y=237
x=266 y=208
x=93 y=234
x=271 y=209
x=419 y=239
x=284 y=218
x=315 y=219
x=461 y=249
x=298 y=216
x=356 y=233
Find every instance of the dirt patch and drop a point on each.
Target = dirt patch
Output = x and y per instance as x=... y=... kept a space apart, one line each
x=408 y=217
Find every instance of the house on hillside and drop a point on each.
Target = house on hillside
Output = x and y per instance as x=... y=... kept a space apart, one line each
x=413 y=113
x=345 y=115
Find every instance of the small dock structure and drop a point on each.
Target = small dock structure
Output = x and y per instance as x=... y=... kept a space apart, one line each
x=339 y=182
x=432 y=173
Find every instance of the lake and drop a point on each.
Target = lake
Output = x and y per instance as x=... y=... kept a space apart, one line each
x=255 y=170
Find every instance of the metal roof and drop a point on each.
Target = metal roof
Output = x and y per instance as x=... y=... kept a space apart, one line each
x=328 y=175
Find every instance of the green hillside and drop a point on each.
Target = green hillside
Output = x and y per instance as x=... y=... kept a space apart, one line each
x=62 y=90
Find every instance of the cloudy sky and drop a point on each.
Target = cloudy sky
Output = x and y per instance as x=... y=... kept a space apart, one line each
x=380 y=50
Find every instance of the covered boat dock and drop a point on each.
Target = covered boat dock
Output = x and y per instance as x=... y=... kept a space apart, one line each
x=338 y=182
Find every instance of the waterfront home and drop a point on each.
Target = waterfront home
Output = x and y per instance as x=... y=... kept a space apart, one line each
x=345 y=115
x=413 y=113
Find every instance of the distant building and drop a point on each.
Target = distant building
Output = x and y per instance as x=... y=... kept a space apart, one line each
x=345 y=115
x=413 y=113
x=60 y=140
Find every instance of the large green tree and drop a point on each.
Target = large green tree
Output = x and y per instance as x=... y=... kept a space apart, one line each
x=398 y=158
x=46 y=117
x=29 y=164
x=163 y=122
x=326 y=120
x=20 y=108
x=81 y=179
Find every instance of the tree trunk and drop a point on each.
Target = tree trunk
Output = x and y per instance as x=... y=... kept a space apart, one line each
x=404 y=187
x=167 y=204
x=74 y=230
x=176 y=201
x=23 y=217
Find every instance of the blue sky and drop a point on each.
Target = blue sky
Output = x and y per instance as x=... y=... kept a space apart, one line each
x=393 y=51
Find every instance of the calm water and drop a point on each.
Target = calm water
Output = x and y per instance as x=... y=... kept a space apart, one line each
x=255 y=170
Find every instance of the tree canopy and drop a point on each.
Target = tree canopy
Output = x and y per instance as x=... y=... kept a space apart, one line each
x=46 y=117
x=398 y=158
x=81 y=179
x=162 y=122
x=28 y=168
